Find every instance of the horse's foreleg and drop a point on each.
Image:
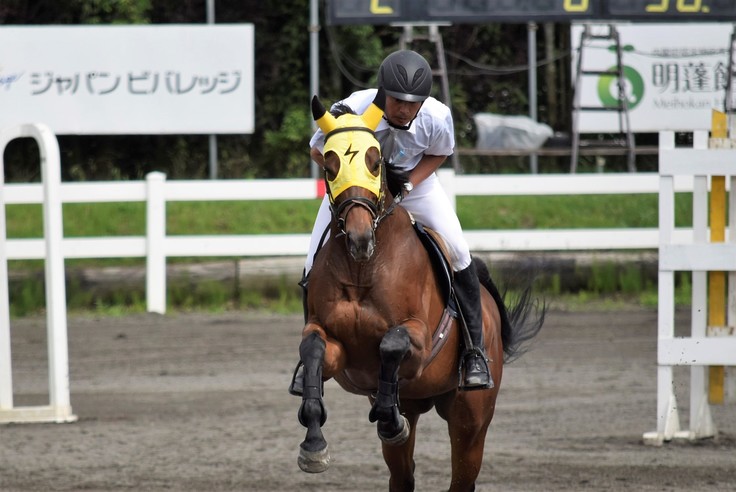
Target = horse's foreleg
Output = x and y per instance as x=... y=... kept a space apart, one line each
x=393 y=428
x=314 y=456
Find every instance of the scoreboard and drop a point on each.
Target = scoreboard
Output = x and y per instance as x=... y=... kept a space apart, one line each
x=482 y=11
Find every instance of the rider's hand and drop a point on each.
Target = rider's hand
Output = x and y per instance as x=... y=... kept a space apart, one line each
x=405 y=190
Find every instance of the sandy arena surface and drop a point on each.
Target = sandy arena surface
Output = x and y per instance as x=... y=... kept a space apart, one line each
x=198 y=402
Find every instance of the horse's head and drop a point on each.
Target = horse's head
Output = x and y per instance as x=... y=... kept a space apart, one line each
x=354 y=173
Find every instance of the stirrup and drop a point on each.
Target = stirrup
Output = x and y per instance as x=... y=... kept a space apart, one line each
x=296 y=387
x=465 y=384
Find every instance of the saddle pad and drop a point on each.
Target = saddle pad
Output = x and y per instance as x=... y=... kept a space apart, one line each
x=439 y=256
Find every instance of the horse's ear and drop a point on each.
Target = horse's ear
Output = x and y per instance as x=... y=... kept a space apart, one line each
x=372 y=116
x=324 y=120
x=380 y=99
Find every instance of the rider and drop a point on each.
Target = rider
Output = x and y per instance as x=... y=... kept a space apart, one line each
x=416 y=135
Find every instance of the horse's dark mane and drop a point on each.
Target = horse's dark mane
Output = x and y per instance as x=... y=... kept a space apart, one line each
x=338 y=109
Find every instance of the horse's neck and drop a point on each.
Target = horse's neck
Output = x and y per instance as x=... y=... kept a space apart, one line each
x=393 y=234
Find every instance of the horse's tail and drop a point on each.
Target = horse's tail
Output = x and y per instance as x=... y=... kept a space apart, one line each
x=521 y=321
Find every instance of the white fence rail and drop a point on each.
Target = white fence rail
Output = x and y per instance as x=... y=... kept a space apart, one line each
x=156 y=191
x=156 y=246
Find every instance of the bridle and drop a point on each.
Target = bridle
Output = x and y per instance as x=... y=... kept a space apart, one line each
x=376 y=208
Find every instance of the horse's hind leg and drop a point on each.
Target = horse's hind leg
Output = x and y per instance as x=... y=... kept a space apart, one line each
x=314 y=456
x=393 y=427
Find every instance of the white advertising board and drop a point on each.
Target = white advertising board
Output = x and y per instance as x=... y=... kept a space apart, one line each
x=675 y=76
x=149 y=79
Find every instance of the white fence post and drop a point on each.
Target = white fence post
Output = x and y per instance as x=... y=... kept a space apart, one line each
x=155 y=243
x=668 y=421
x=59 y=408
x=701 y=423
x=447 y=180
x=6 y=374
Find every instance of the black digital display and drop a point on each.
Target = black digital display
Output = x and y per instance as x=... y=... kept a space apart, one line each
x=478 y=11
x=509 y=10
x=670 y=10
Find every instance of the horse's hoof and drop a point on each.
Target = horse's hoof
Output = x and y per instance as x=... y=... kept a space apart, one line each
x=401 y=437
x=313 y=461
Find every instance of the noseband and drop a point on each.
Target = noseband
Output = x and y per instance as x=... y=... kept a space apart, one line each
x=341 y=211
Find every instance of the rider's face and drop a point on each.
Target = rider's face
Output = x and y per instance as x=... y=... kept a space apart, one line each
x=401 y=113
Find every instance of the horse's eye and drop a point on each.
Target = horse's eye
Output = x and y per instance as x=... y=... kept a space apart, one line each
x=375 y=162
x=332 y=166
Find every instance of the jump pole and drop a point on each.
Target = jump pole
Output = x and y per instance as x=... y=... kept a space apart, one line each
x=59 y=409
x=717 y=299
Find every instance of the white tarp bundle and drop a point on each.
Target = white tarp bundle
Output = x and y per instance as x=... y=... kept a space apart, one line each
x=509 y=132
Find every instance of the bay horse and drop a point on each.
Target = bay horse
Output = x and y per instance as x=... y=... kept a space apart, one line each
x=374 y=304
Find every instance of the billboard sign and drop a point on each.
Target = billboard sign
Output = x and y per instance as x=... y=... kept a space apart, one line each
x=675 y=74
x=147 y=79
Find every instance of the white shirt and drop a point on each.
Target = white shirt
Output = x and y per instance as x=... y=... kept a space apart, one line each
x=431 y=132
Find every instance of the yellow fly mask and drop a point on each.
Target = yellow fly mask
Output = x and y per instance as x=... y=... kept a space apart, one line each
x=350 y=136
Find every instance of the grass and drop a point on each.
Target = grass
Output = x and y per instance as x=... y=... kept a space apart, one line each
x=297 y=216
x=605 y=281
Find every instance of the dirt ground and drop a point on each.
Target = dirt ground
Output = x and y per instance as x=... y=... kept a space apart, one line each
x=196 y=402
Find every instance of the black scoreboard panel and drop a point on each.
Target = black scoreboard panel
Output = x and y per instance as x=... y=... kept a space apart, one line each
x=508 y=10
x=669 y=10
x=480 y=11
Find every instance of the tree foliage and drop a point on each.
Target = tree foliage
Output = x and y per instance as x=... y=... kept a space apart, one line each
x=348 y=59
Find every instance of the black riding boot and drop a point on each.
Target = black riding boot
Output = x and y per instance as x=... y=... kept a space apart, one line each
x=467 y=291
x=304 y=284
x=296 y=387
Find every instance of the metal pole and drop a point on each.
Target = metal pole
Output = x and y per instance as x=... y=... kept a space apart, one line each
x=532 y=56
x=213 y=137
x=314 y=63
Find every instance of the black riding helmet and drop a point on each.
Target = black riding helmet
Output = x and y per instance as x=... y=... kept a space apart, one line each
x=406 y=75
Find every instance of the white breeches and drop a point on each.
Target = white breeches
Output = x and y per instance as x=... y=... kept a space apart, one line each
x=429 y=205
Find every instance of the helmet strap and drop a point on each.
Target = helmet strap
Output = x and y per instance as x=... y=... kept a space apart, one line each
x=399 y=127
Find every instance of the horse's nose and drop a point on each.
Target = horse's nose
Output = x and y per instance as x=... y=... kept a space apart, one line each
x=362 y=245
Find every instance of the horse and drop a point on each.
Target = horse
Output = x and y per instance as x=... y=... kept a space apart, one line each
x=374 y=303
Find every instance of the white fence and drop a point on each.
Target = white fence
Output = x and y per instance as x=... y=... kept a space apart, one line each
x=706 y=345
x=156 y=246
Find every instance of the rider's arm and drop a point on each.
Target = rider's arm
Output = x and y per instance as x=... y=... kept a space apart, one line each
x=317 y=156
x=425 y=167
